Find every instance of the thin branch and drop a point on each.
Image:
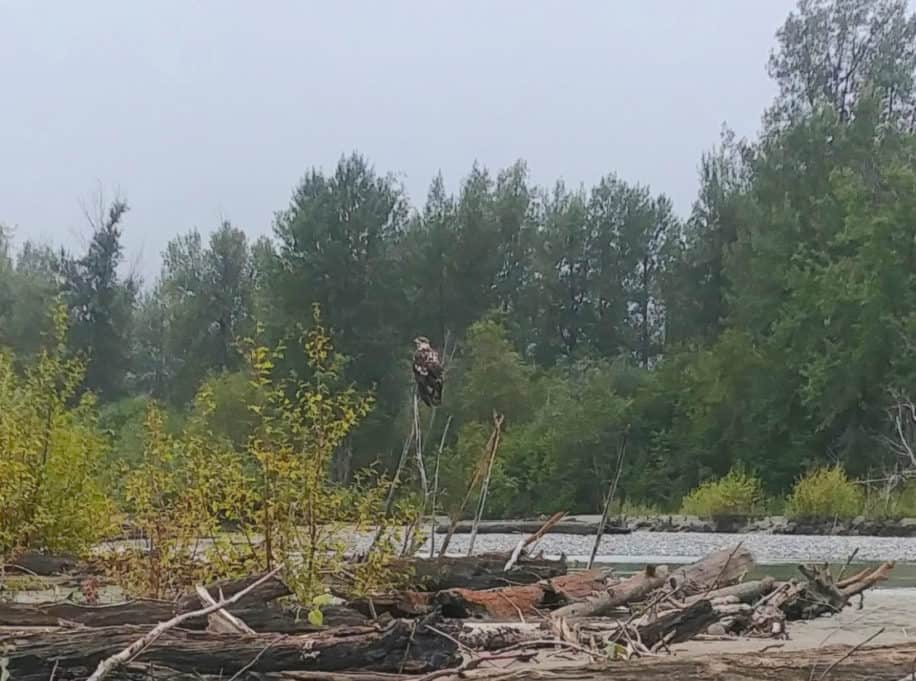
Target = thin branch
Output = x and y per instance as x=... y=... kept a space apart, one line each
x=109 y=664
x=255 y=659
x=851 y=652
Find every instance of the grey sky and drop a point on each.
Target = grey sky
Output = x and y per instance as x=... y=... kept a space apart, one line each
x=202 y=110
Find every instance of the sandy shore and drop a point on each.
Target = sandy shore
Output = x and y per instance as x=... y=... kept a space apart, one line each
x=892 y=609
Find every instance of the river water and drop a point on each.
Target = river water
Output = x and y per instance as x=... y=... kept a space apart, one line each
x=777 y=555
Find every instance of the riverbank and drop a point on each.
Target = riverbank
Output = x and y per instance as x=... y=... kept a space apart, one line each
x=588 y=525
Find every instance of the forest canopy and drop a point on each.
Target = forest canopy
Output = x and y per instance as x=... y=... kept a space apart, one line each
x=772 y=329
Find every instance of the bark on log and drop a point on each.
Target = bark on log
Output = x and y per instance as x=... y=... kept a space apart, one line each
x=886 y=663
x=478 y=572
x=629 y=590
x=714 y=571
x=256 y=609
x=400 y=647
x=574 y=527
x=677 y=626
x=509 y=603
x=822 y=596
x=266 y=617
x=746 y=592
x=42 y=564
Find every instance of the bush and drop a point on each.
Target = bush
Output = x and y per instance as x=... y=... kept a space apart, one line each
x=825 y=493
x=738 y=493
x=900 y=504
x=275 y=487
x=51 y=454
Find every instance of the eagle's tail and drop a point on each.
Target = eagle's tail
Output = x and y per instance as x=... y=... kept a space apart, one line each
x=436 y=393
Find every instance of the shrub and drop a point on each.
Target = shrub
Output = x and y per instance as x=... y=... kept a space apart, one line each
x=825 y=493
x=275 y=488
x=738 y=493
x=51 y=454
x=900 y=504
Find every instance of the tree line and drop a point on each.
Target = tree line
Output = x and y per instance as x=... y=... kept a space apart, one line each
x=771 y=329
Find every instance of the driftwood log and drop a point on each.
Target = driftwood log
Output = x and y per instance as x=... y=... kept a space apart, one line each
x=257 y=609
x=632 y=589
x=485 y=571
x=509 y=603
x=518 y=602
x=821 y=595
x=402 y=646
x=713 y=571
x=885 y=663
x=575 y=527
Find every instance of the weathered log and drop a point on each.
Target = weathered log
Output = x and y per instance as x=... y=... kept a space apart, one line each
x=714 y=571
x=821 y=595
x=745 y=592
x=477 y=572
x=885 y=663
x=265 y=617
x=678 y=625
x=632 y=589
x=257 y=609
x=270 y=590
x=671 y=627
x=515 y=602
x=575 y=527
x=400 y=647
x=42 y=564
x=866 y=581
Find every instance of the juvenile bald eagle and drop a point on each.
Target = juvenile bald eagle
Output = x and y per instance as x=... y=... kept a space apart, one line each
x=427 y=372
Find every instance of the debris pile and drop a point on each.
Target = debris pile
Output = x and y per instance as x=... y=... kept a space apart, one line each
x=467 y=616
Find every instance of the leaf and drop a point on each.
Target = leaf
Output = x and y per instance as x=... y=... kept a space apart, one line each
x=322 y=599
x=316 y=618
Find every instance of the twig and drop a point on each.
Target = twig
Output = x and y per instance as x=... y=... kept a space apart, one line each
x=612 y=490
x=255 y=659
x=851 y=652
x=432 y=525
x=515 y=555
x=852 y=557
x=109 y=664
x=485 y=486
x=474 y=662
x=728 y=560
x=451 y=638
x=521 y=616
x=413 y=632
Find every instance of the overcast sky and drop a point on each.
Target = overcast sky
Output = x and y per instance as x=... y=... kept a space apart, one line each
x=199 y=111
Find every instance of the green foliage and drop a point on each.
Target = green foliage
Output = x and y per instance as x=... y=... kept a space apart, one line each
x=101 y=304
x=767 y=329
x=738 y=493
x=51 y=454
x=825 y=493
x=274 y=486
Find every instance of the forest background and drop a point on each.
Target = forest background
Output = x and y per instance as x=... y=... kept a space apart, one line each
x=768 y=334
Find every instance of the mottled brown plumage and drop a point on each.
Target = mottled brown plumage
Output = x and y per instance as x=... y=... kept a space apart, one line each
x=427 y=372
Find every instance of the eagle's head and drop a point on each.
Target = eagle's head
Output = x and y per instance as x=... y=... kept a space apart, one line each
x=421 y=342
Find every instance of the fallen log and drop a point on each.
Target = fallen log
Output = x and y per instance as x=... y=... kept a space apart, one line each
x=484 y=571
x=402 y=646
x=676 y=626
x=821 y=595
x=574 y=527
x=745 y=592
x=41 y=564
x=713 y=571
x=632 y=589
x=257 y=609
x=880 y=663
x=518 y=602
